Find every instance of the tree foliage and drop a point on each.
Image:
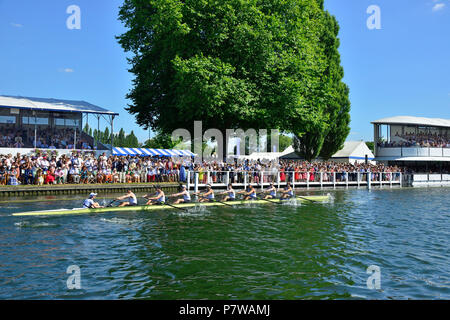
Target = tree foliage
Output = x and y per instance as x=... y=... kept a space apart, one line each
x=234 y=64
x=160 y=141
x=120 y=140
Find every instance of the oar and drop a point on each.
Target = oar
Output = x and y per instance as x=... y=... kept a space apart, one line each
x=172 y=206
x=214 y=200
x=313 y=201
x=258 y=194
x=109 y=205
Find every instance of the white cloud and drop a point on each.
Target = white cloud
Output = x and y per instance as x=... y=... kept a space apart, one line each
x=438 y=7
x=16 y=25
x=67 y=70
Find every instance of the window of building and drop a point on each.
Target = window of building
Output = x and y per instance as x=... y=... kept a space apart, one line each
x=7 y=119
x=33 y=120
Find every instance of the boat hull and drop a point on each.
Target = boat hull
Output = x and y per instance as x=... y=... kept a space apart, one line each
x=59 y=212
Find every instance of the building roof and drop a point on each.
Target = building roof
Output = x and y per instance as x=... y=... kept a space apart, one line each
x=351 y=150
x=49 y=104
x=417 y=121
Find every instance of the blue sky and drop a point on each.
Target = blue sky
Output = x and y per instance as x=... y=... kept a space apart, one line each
x=401 y=69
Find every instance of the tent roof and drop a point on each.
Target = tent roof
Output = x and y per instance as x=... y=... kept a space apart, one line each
x=144 y=152
x=354 y=149
x=49 y=104
x=268 y=155
x=351 y=150
x=417 y=121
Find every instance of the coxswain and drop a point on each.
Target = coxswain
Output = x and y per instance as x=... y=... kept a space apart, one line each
x=89 y=203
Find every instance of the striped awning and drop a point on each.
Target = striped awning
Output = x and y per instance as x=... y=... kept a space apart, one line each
x=151 y=152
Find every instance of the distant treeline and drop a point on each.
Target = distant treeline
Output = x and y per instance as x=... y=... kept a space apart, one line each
x=120 y=140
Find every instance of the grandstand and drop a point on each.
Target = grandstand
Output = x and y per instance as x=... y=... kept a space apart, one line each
x=29 y=123
x=421 y=145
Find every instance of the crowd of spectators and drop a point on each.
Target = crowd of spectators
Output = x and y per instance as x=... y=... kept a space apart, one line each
x=292 y=170
x=39 y=169
x=45 y=139
x=12 y=138
x=432 y=140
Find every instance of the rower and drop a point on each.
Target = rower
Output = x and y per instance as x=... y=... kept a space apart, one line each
x=230 y=193
x=89 y=203
x=207 y=196
x=159 y=197
x=287 y=193
x=249 y=194
x=272 y=192
x=184 y=193
x=132 y=200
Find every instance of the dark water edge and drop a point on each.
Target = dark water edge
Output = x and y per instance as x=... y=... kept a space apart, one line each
x=308 y=251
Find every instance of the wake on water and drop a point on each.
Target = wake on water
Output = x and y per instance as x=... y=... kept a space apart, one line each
x=28 y=224
x=197 y=211
x=122 y=221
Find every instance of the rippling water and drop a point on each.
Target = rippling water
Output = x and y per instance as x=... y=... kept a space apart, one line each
x=308 y=251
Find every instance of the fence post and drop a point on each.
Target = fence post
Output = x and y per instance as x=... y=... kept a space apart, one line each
x=369 y=180
x=262 y=180
x=358 y=177
x=195 y=181
x=346 y=179
x=381 y=179
x=228 y=178
x=307 y=180
x=334 y=180
x=188 y=180
x=278 y=179
x=321 y=180
x=245 y=180
x=293 y=180
x=208 y=177
x=390 y=179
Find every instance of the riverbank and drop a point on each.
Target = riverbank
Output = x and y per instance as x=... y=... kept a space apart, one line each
x=73 y=189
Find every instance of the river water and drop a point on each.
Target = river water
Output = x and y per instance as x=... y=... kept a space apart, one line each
x=307 y=251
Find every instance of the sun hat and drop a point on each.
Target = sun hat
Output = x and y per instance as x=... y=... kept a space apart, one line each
x=92 y=195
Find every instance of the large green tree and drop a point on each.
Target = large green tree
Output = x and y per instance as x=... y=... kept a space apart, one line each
x=338 y=105
x=231 y=64
x=327 y=134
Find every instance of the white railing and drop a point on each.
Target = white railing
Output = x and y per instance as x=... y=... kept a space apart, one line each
x=196 y=179
x=426 y=179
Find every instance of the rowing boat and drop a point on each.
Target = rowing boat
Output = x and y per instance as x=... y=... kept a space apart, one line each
x=161 y=207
